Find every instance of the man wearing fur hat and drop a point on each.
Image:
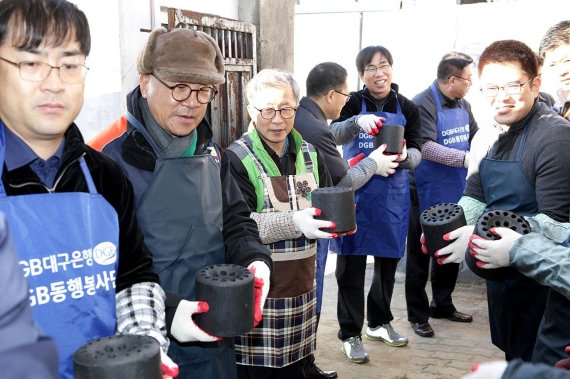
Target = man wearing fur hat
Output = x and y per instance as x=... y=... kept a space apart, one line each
x=190 y=208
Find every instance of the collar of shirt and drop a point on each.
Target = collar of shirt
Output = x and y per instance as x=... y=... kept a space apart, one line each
x=19 y=154
x=286 y=163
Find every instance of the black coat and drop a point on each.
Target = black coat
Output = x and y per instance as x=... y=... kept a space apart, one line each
x=135 y=260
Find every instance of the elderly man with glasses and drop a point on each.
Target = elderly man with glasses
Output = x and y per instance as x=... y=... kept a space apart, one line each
x=190 y=209
x=526 y=171
x=277 y=171
x=448 y=126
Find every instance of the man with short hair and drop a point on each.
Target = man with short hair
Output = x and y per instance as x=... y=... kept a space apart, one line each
x=277 y=171
x=555 y=50
x=448 y=126
x=526 y=171
x=327 y=93
x=70 y=207
x=190 y=208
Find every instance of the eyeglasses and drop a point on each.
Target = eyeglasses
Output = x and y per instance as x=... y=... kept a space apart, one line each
x=269 y=113
x=347 y=97
x=372 y=69
x=468 y=80
x=181 y=92
x=510 y=89
x=31 y=71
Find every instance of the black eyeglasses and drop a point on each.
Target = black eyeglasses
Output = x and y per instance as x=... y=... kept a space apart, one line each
x=468 y=80
x=347 y=97
x=32 y=71
x=510 y=89
x=269 y=113
x=181 y=92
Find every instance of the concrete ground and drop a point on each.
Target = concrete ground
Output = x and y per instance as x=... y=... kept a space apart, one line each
x=449 y=354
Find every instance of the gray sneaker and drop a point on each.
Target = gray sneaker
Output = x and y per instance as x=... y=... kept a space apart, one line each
x=386 y=334
x=354 y=350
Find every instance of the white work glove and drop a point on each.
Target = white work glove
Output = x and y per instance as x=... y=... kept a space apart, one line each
x=261 y=272
x=455 y=251
x=304 y=221
x=487 y=370
x=404 y=154
x=385 y=164
x=466 y=160
x=183 y=327
x=169 y=368
x=369 y=123
x=493 y=253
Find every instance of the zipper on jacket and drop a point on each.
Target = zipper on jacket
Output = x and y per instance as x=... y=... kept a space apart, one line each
x=57 y=180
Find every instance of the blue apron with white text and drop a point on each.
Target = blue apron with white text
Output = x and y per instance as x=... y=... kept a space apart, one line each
x=516 y=304
x=437 y=183
x=67 y=244
x=382 y=204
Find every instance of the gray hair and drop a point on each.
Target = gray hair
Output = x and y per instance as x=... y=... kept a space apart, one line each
x=271 y=78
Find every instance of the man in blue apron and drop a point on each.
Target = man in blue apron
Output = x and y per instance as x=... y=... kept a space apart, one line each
x=70 y=208
x=191 y=211
x=448 y=127
x=276 y=171
x=382 y=208
x=327 y=93
x=24 y=351
x=526 y=171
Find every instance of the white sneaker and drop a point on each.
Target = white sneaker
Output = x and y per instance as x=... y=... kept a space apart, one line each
x=354 y=350
x=386 y=334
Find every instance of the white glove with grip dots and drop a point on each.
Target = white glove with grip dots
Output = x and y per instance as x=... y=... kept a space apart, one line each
x=261 y=273
x=494 y=253
x=169 y=368
x=183 y=327
x=455 y=252
x=369 y=123
x=304 y=221
x=385 y=164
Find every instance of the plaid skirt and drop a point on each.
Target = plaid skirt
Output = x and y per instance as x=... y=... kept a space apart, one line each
x=286 y=334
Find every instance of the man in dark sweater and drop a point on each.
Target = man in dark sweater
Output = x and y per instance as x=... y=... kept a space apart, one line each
x=527 y=171
x=327 y=93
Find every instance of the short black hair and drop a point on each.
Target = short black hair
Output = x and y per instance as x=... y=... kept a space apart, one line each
x=508 y=51
x=365 y=56
x=31 y=22
x=324 y=77
x=452 y=64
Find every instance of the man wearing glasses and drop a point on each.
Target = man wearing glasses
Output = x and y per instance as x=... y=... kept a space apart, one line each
x=555 y=51
x=277 y=171
x=327 y=93
x=526 y=171
x=448 y=126
x=190 y=209
x=70 y=208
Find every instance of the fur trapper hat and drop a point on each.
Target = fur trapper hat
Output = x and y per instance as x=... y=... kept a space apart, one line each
x=182 y=55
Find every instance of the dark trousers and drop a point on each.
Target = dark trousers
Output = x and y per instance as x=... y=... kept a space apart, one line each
x=350 y=272
x=443 y=277
x=293 y=371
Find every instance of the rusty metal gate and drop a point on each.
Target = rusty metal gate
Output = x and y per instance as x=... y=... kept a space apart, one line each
x=227 y=113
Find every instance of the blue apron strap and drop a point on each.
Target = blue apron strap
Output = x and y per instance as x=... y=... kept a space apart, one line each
x=435 y=97
x=88 y=177
x=363 y=105
x=522 y=142
x=138 y=126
